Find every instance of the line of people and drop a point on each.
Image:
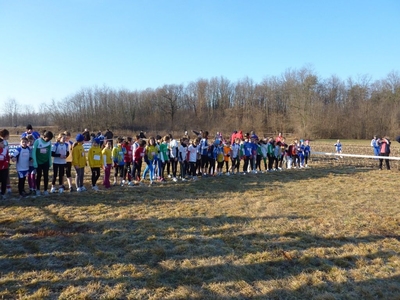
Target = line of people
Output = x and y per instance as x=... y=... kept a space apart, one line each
x=164 y=157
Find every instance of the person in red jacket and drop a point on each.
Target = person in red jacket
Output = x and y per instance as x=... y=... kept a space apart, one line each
x=138 y=159
x=384 y=150
x=127 y=144
x=4 y=165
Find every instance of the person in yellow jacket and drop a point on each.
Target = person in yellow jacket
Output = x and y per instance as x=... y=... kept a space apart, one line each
x=79 y=162
x=95 y=161
x=107 y=163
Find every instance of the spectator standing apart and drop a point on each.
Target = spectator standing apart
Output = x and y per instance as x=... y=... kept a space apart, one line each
x=68 y=160
x=59 y=152
x=338 y=148
x=384 y=150
x=79 y=162
x=95 y=162
x=41 y=155
x=107 y=163
x=300 y=153
x=307 y=152
x=86 y=135
x=29 y=130
x=4 y=166
x=5 y=135
x=375 y=145
x=22 y=156
x=118 y=159
x=108 y=136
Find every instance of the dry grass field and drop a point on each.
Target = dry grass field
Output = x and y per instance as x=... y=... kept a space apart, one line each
x=331 y=231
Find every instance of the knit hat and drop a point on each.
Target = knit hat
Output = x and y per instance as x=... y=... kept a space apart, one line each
x=79 y=137
x=97 y=141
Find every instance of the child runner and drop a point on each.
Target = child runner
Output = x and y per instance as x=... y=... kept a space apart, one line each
x=150 y=154
x=5 y=135
x=183 y=162
x=79 y=162
x=192 y=153
x=95 y=161
x=247 y=153
x=22 y=156
x=32 y=170
x=203 y=149
x=138 y=156
x=164 y=158
x=212 y=157
x=68 y=167
x=284 y=147
x=271 y=154
x=41 y=155
x=107 y=163
x=135 y=176
x=227 y=155
x=174 y=152
x=259 y=156
x=118 y=159
x=235 y=156
x=127 y=176
x=4 y=165
x=60 y=152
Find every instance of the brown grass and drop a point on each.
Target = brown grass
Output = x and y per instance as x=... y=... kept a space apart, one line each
x=328 y=232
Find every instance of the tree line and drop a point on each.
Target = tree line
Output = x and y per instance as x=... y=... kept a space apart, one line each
x=297 y=101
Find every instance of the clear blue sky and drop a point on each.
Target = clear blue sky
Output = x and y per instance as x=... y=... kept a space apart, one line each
x=51 y=49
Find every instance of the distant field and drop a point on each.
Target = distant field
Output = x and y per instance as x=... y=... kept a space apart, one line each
x=328 y=232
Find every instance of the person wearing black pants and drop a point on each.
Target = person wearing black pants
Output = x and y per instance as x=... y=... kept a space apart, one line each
x=384 y=151
x=43 y=169
x=3 y=180
x=41 y=156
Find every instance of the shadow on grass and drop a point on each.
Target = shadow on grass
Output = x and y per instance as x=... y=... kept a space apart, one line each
x=149 y=244
x=210 y=188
